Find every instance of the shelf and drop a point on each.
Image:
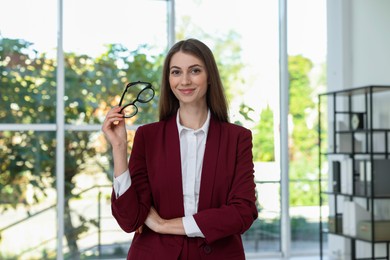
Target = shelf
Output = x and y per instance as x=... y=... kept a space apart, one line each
x=363 y=131
x=356 y=153
x=355 y=195
x=357 y=91
x=355 y=238
x=355 y=140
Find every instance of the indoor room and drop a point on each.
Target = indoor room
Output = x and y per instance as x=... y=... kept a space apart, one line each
x=308 y=80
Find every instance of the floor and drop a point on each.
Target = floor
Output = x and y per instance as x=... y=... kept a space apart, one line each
x=274 y=258
x=294 y=258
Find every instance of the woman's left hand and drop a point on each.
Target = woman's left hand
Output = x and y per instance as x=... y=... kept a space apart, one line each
x=154 y=221
x=163 y=226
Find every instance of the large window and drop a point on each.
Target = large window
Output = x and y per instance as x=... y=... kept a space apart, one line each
x=104 y=45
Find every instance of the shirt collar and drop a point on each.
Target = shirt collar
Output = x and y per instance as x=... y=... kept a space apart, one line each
x=204 y=128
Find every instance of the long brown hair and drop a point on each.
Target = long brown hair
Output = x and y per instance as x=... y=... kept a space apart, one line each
x=215 y=96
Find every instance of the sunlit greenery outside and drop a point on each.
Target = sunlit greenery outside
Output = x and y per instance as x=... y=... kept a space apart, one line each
x=28 y=95
x=92 y=86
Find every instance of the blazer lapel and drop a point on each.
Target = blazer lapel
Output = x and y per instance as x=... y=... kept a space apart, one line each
x=209 y=164
x=173 y=166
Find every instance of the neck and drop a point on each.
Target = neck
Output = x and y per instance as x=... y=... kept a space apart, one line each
x=193 y=118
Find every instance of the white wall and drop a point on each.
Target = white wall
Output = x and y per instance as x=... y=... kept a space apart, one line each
x=358 y=43
x=370 y=42
x=370 y=51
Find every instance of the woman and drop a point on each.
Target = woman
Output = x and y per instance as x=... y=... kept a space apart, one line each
x=188 y=189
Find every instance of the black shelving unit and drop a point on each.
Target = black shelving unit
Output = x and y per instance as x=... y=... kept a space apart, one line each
x=355 y=149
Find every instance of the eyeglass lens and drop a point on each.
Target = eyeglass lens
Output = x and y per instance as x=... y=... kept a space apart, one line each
x=138 y=92
x=130 y=111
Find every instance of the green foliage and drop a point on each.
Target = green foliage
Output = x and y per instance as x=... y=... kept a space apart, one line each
x=303 y=140
x=300 y=89
x=25 y=97
x=263 y=137
x=28 y=95
x=304 y=136
x=304 y=230
x=26 y=84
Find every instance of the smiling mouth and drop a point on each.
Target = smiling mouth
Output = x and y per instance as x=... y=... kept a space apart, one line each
x=187 y=91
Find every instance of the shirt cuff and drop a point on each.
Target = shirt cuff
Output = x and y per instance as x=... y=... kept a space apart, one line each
x=122 y=183
x=191 y=228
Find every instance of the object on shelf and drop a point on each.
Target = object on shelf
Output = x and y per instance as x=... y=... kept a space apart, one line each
x=346 y=176
x=336 y=166
x=382 y=230
x=357 y=121
x=380 y=176
x=335 y=224
x=353 y=214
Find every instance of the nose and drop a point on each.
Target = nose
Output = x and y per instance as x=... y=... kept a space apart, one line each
x=186 y=80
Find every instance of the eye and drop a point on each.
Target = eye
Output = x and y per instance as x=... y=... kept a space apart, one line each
x=196 y=70
x=175 y=72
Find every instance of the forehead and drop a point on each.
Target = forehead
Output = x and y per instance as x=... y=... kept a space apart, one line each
x=185 y=60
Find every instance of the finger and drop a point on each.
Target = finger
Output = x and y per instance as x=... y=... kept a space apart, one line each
x=107 y=124
x=114 y=111
x=139 y=230
x=113 y=118
x=118 y=110
x=112 y=114
x=153 y=210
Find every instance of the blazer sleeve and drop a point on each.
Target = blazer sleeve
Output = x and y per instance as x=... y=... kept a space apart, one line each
x=132 y=207
x=239 y=212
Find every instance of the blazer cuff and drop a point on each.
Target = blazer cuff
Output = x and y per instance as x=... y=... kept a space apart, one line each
x=191 y=228
x=122 y=183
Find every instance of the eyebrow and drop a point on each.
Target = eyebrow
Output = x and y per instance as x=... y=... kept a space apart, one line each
x=190 y=67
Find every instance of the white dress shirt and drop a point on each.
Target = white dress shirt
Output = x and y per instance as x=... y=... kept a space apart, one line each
x=192 y=148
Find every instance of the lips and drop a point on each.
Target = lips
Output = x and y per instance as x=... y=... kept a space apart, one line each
x=187 y=91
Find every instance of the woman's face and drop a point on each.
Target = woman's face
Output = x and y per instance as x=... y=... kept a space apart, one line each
x=188 y=79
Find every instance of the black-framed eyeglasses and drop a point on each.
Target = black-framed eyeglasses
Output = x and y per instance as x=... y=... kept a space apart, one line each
x=144 y=92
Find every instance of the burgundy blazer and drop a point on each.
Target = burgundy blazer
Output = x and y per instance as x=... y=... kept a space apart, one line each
x=226 y=200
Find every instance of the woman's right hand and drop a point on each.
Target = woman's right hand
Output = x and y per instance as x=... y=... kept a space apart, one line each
x=114 y=127
x=115 y=130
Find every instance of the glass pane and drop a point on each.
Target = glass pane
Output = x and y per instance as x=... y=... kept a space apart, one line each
x=27 y=57
x=27 y=195
x=307 y=69
x=90 y=228
x=118 y=42
x=247 y=54
x=264 y=235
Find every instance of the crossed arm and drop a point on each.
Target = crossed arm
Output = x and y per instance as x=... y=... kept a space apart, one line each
x=163 y=226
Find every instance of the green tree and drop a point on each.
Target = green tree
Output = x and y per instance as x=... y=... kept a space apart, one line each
x=28 y=88
x=263 y=137
x=24 y=98
x=303 y=139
